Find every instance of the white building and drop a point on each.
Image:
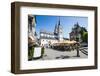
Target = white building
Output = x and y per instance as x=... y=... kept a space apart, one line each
x=48 y=38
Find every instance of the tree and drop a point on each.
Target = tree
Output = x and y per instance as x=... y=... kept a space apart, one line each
x=84 y=34
x=85 y=37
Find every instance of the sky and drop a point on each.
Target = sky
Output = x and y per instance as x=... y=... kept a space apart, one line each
x=48 y=23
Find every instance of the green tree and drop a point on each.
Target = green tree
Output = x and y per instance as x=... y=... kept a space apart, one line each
x=85 y=37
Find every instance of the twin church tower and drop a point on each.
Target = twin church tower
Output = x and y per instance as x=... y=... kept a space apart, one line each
x=48 y=38
x=58 y=31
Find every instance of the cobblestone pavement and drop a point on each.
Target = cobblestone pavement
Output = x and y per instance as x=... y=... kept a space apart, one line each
x=56 y=54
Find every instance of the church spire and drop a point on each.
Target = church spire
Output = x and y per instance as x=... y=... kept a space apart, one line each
x=59 y=21
x=55 y=30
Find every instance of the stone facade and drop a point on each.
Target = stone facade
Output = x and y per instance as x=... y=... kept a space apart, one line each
x=75 y=34
x=31 y=29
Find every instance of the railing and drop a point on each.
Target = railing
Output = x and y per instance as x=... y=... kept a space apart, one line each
x=84 y=51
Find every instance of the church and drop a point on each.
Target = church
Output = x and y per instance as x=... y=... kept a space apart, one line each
x=48 y=38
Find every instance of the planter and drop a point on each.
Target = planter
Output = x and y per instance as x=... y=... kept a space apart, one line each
x=35 y=53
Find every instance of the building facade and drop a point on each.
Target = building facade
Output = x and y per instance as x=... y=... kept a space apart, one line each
x=75 y=34
x=48 y=38
x=31 y=29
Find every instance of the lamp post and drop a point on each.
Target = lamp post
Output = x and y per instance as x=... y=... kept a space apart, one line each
x=77 y=49
x=77 y=44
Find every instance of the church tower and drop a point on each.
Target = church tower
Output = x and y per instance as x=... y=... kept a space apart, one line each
x=60 y=31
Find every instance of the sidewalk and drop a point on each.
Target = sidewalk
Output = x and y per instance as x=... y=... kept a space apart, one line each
x=56 y=54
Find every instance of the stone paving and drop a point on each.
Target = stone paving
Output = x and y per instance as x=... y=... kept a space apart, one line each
x=51 y=54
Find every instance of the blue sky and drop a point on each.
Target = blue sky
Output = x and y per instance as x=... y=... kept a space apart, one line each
x=48 y=23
